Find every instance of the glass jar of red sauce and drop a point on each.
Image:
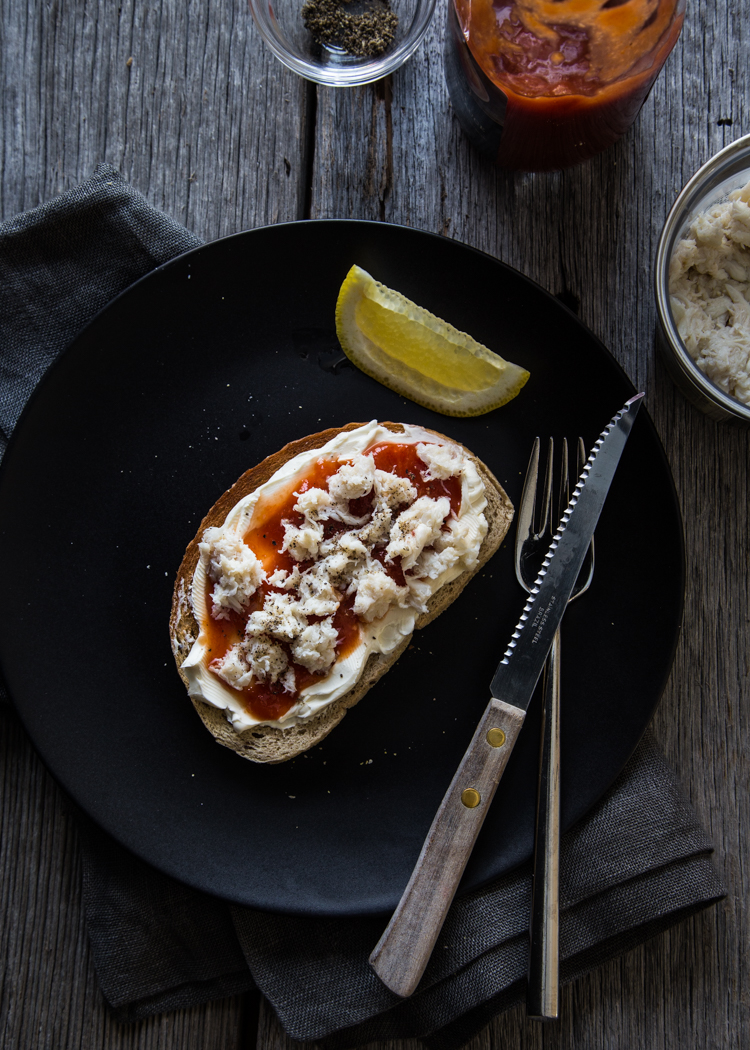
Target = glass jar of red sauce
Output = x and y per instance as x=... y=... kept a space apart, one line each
x=543 y=84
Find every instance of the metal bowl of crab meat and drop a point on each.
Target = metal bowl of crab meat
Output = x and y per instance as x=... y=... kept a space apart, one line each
x=703 y=286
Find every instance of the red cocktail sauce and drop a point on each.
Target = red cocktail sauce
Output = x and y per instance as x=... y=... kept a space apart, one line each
x=268 y=701
x=575 y=73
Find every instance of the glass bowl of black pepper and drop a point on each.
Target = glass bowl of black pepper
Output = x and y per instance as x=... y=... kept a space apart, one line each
x=342 y=42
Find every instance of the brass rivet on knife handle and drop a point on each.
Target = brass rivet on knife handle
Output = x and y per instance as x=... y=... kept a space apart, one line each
x=495 y=737
x=470 y=798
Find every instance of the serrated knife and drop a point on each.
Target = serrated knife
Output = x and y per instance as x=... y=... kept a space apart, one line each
x=402 y=953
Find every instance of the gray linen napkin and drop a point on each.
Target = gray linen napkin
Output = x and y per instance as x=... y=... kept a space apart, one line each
x=636 y=864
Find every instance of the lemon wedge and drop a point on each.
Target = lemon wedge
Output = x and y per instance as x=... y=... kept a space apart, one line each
x=418 y=355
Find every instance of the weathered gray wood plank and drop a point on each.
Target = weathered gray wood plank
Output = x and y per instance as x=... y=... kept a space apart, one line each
x=182 y=98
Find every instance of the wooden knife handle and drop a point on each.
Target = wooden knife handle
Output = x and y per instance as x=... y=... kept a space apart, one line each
x=402 y=953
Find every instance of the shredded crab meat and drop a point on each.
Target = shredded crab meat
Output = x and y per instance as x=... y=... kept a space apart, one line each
x=376 y=593
x=417 y=527
x=234 y=569
x=353 y=479
x=281 y=617
x=315 y=647
x=295 y=625
x=442 y=461
x=259 y=659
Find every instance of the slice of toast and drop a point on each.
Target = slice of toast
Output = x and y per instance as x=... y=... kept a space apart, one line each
x=266 y=743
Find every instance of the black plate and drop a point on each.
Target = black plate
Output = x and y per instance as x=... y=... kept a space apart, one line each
x=191 y=376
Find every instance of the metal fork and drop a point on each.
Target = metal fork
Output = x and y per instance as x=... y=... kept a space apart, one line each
x=532 y=544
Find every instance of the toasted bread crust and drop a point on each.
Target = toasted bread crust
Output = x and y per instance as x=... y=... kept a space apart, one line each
x=265 y=743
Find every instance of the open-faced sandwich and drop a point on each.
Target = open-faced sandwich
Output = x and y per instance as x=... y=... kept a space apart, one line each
x=309 y=576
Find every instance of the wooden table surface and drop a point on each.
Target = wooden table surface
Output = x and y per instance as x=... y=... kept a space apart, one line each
x=185 y=100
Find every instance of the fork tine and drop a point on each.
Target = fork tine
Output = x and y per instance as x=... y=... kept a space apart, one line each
x=581 y=458
x=587 y=571
x=525 y=524
x=564 y=493
x=545 y=523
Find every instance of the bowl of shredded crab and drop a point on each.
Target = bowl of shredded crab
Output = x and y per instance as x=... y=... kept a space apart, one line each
x=703 y=286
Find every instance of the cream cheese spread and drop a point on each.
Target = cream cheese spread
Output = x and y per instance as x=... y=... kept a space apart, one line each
x=709 y=287
x=324 y=570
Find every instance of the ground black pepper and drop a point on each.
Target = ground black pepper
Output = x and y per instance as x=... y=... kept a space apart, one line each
x=363 y=29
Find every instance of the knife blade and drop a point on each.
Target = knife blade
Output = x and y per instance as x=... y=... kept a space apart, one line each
x=402 y=953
